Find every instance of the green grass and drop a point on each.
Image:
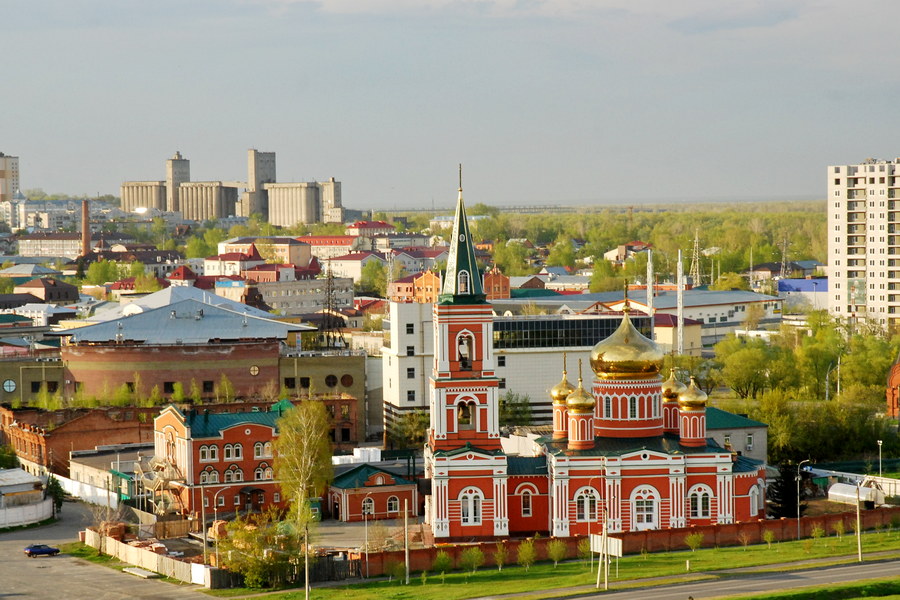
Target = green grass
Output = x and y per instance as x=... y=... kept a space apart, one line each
x=544 y=581
x=874 y=588
x=85 y=552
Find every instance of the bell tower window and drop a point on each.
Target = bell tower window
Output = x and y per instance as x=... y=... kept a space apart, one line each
x=464 y=348
x=463 y=282
x=465 y=415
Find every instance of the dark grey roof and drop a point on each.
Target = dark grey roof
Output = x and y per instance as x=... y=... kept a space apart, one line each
x=171 y=295
x=526 y=465
x=603 y=446
x=185 y=322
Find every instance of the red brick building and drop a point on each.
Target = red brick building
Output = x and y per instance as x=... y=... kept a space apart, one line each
x=369 y=492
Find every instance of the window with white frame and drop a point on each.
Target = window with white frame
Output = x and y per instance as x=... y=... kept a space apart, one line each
x=213 y=452
x=238 y=452
x=586 y=505
x=754 y=501
x=470 y=506
x=220 y=501
x=227 y=452
x=237 y=499
x=700 y=498
x=268 y=474
x=607 y=407
x=368 y=506
x=204 y=476
x=632 y=408
x=258 y=450
x=204 y=453
x=749 y=441
x=645 y=502
x=393 y=504
x=258 y=474
x=213 y=477
x=526 y=503
x=276 y=497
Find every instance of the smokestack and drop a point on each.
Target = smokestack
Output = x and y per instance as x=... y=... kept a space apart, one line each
x=85 y=228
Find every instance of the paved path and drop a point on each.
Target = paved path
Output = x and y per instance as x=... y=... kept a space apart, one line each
x=65 y=577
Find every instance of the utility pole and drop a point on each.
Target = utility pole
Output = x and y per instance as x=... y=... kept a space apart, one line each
x=784 y=258
x=696 y=268
x=406 y=536
x=679 y=296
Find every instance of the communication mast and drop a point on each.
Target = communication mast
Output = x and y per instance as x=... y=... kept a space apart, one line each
x=332 y=332
x=784 y=258
x=696 y=273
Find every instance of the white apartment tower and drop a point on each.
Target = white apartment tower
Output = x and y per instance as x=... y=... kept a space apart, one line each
x=864 y=242
x=9 y=177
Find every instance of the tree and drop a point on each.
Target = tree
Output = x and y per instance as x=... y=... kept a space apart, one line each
x=257 y=548
x=501 y=552
x=731 y=281
x=526 y=554
x=373 y=277
x=755 y=313
x=409 y=430
x=515 y=409
x=8 y=458
x=694 y=540
x=471 y=558
x=303 y=459
x=225 y=389
x=56 y=492
x=562 y=253
x=556 y=551
x=783 y=493
x=442 y=563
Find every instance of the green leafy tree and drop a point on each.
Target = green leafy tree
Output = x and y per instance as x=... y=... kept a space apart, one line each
x=101 y=272
x=178 y=392
x=56 y=492
x=442 y=563
x=303 y=458
x=562 y=253
x=258 y=548
x=196 y=394
x=501 y=553
x=471 y=558
x=197 y=248
x=556 y=551
x=515 y=409
x=224 y=389
x=731 y=281
x=527 y=554
x=374 y=277
x=782 y=494
x=694 y=540
x=8 y=458
x=604 y=277
x=410 y=429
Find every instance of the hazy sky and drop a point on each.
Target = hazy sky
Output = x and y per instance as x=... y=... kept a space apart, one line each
x=544 y=102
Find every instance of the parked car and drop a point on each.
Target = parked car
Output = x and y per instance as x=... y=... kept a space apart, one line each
x=40 y=549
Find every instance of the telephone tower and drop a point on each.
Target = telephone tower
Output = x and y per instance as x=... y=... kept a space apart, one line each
x=696 y=266
x=332 y=332
x=784 y=258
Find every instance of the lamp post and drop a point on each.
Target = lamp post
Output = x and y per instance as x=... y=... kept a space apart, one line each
x=203 y=524
x=591 y=520
x=798 y=494
x=365 y=507
x=879 y=458
x=216 y=518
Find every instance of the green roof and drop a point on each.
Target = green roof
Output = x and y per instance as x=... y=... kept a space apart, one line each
x=462 y=260
x=358 y=476
x=208 y=425
x=532 y=293
x=716 y=418
x=11 y=318
x=526 y=465
x=466 y=448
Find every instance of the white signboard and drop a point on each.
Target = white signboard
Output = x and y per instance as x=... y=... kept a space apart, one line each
x=613 y=545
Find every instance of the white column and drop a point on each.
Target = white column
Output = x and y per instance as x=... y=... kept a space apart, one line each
x=560 y=502
x=725 y=509
x=677 y=516
x=501 y=503
x=440 y=522
x=614 y=502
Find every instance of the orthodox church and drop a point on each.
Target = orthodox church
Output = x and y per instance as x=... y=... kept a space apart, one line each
x=627 y=450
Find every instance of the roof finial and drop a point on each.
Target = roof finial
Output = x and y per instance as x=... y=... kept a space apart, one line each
x=564 y=363
x=579 y=372
x=627 y=307
x=460 y=177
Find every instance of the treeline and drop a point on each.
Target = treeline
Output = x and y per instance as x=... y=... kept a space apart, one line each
x=820 y=389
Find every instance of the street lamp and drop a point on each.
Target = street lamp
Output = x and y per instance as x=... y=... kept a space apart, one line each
x=798 y=494
x=365 y=510
x=879 y=458
x=591 y=520
x=216 y=518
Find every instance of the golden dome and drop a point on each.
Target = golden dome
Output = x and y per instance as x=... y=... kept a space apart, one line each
x=672 y=388
x=560 y=392
x=693 y=398
x=626 y=354
x=580 y=401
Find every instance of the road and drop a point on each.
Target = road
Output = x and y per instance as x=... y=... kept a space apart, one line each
x=746 y=584
x=67 y=577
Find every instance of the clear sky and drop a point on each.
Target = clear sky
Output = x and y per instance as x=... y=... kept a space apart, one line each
x=544 y=102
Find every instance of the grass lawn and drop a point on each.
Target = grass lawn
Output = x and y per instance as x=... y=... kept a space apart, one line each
x=878 y=588
x=81 y=550
x=542 y=577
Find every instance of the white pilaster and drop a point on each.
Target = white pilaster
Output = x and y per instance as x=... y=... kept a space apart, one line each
x=501 y=516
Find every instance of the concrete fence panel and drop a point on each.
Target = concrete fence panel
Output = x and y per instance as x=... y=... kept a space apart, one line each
x=26 y=514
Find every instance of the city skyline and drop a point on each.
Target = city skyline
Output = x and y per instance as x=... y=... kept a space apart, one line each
x=564 y=102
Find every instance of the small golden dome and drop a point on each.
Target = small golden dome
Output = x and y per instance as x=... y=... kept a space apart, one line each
x=672 y=388
x=626 y=354
x=580 y=401
x=560 y=392
x=693 y=398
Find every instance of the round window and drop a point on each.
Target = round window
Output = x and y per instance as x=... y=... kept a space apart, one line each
x=346 y=380
x=254 y=370
x=9 y=386
x=331 y=380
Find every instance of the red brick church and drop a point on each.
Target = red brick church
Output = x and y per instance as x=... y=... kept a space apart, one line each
x=627 y=449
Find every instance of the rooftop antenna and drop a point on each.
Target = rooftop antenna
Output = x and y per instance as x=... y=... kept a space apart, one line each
x=696 y=272
x=784 y=257
x=333 y=333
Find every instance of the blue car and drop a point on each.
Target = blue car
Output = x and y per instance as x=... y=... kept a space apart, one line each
x=40 y=549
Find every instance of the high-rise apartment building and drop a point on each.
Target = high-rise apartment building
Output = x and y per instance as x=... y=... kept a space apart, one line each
x=9 y=177
x=864 y=241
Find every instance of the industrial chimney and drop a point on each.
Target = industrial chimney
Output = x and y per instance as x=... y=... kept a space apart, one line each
x=85 y=228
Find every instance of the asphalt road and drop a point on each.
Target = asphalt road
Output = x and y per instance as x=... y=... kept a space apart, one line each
x=746 y=584
x=66 y=577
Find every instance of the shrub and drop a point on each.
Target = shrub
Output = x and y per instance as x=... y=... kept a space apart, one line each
x=501 y=552
x=769 y=537
x=424 y=577
x=471 y=559
x=817 y=532
x=694 y=540
x=556 y=551
x=526 y=554
x=584 y=549
x=397 y=571
x=838 y=528
x=442 y=563
x=744 y=539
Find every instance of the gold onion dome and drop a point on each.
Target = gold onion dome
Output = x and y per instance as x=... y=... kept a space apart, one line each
x=672 y=388
x=580 y=400
x=693 y=398
x=561 y=391
x=626 y=354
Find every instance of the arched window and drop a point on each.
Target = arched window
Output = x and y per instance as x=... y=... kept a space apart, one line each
x=607 y=407
x=465 y=345
x=268 y=473
x=228 y=474
x=204 y=453
x=267 y=449
x=238 y=452
x=465 y=415
x=213 y=453
x=526 y=503
x=700 y=498
x=754 y=501
x=368 y=506
x=632 y=408
x=258 y=474
x=470 y=506
x=645 y=508
x=238 y=475
x=214 y=477
x=227 y=451
x=258 y=450
x=586 y=505
x=463 y=282
x=203 y=477
x=393 y=504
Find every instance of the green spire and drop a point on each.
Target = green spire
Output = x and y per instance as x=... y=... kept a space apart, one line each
x=462 y=281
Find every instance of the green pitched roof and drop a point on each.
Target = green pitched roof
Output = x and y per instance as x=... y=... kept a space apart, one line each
x=716 y=418
x=462 y=260
x=358 y=476
x=208 y=425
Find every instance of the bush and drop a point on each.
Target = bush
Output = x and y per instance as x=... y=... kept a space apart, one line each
x=526 y=554
x=471 y=559
x=744 y=539
x=397 y=570
x=442 y=563
x=556 y=551
x=817 y=532
x=694 y=540
x=769 y=537
x=501 y=552
x=584 y=549
x=838 y=528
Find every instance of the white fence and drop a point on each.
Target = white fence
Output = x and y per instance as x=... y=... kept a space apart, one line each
x=145 y=559
x=89 y=493
x=26 y=514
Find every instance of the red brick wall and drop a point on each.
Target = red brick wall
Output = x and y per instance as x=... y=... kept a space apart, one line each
x=634 y=541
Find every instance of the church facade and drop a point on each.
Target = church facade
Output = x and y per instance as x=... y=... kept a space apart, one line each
x=628 y=451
